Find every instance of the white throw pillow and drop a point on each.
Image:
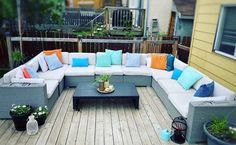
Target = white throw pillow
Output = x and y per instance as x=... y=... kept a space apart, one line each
x=19 y=74
x=148 y=60
x=42 y=63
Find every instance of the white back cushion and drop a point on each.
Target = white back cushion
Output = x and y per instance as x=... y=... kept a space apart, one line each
x=142 y=59
x=65 y=57
x=220 y=90
x=8 y=76
x=91 y=57
x=179 y=64
x=33 y=63
x=202 y=81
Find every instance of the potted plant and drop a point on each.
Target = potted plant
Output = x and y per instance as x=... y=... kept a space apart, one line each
x=19 y=115
x=17 y=58
x=103 y=81
x=40 y=114
x=220 y=132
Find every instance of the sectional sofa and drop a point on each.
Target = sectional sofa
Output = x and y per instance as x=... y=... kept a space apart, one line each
x=178 y=102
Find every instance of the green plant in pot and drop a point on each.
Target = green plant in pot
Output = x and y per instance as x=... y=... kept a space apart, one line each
x=19 y=115
x=40 y=114
x=17 y=58
x=220 y=132
x=103 y=81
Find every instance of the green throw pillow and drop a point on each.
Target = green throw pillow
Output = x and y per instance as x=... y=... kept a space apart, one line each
x=116 y=56
x=189 y=77
x=103 y=60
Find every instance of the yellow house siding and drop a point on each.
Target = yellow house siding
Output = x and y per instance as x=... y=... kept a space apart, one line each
x=202 y=57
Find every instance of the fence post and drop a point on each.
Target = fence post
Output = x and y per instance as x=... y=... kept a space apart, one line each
x=9 y=51
x=79 y=45
x=174 y=50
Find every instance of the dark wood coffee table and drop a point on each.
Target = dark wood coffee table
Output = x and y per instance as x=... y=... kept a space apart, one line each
x=89 y=91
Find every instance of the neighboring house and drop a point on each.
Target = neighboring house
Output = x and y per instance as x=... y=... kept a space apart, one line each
x=213 y=48
x=183 y=11
x=158 y=9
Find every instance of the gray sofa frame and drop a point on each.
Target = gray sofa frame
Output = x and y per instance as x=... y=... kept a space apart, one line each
x=36 y=95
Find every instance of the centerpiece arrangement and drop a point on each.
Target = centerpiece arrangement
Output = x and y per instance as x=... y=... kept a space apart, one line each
x=220 y=131
x=103 y=84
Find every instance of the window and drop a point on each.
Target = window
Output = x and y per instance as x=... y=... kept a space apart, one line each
x=225 y=42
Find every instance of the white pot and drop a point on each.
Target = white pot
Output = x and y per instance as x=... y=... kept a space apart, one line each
x=106 y=84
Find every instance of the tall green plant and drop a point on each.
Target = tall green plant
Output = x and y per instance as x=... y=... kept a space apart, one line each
x=7 y=9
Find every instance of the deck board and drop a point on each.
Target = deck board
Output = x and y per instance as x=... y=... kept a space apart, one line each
x=99 y=122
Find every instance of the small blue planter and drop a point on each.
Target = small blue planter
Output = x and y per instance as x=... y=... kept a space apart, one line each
x=212 y=140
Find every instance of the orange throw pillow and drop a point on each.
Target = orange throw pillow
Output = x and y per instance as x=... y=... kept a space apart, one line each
x=26 y=73
x=159 y=61
x=55 y=51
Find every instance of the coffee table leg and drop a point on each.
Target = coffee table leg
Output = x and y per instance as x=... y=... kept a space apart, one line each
x=76 y=104
x=136 y=103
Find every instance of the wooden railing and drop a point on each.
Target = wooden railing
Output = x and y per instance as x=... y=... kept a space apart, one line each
x=34 y=45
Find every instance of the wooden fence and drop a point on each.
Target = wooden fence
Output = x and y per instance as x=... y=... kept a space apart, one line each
x=4 y=63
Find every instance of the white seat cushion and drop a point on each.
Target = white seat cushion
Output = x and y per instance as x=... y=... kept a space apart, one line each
x=181 y=102
x=56 y=74
x=28 y=80
x=80 y=71
x=143 y=70
x=51 y=87
x=161 y=74
x=172 y=86
x=113 y=70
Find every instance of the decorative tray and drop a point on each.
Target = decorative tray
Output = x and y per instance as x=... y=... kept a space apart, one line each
x=106 y=92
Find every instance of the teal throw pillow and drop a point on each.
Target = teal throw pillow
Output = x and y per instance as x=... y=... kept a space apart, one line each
x=133 y=60
x=170 y=62
x=189 y=77
x=79 y=62
x=176 y=74
x=53 y=62
x=103 y=60
x=116 y=56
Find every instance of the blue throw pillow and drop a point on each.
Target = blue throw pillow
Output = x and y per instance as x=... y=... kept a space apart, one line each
x=170 y=62
x=205 y=90
x=189 y=77
x=176 y=74
x=133 y=60
x=80 y=62
x=116 y=56
x=32 y=72
x=53 y=62
x=103 y=60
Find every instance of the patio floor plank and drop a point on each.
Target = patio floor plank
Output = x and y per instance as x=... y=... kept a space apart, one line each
x=99 y=122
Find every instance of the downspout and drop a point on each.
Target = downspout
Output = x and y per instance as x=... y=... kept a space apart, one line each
x=146 y=19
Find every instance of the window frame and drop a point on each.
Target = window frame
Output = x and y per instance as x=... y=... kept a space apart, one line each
x=219 y=28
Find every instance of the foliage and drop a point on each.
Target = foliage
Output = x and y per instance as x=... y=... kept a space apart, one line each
x=162 y=34
x=220 y=128
x=40 y=11
x=7 y=9
x=17 y=56
x=41 y=112
x=103 y=78
x=20 y=110
x=99 y=30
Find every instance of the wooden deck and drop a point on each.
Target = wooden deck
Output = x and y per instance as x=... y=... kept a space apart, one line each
x=99 y=122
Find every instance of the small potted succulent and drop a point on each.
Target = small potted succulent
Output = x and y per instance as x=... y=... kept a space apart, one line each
x=19 y=115
x=40 y=114
x=103 y=81
x=220 y=132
